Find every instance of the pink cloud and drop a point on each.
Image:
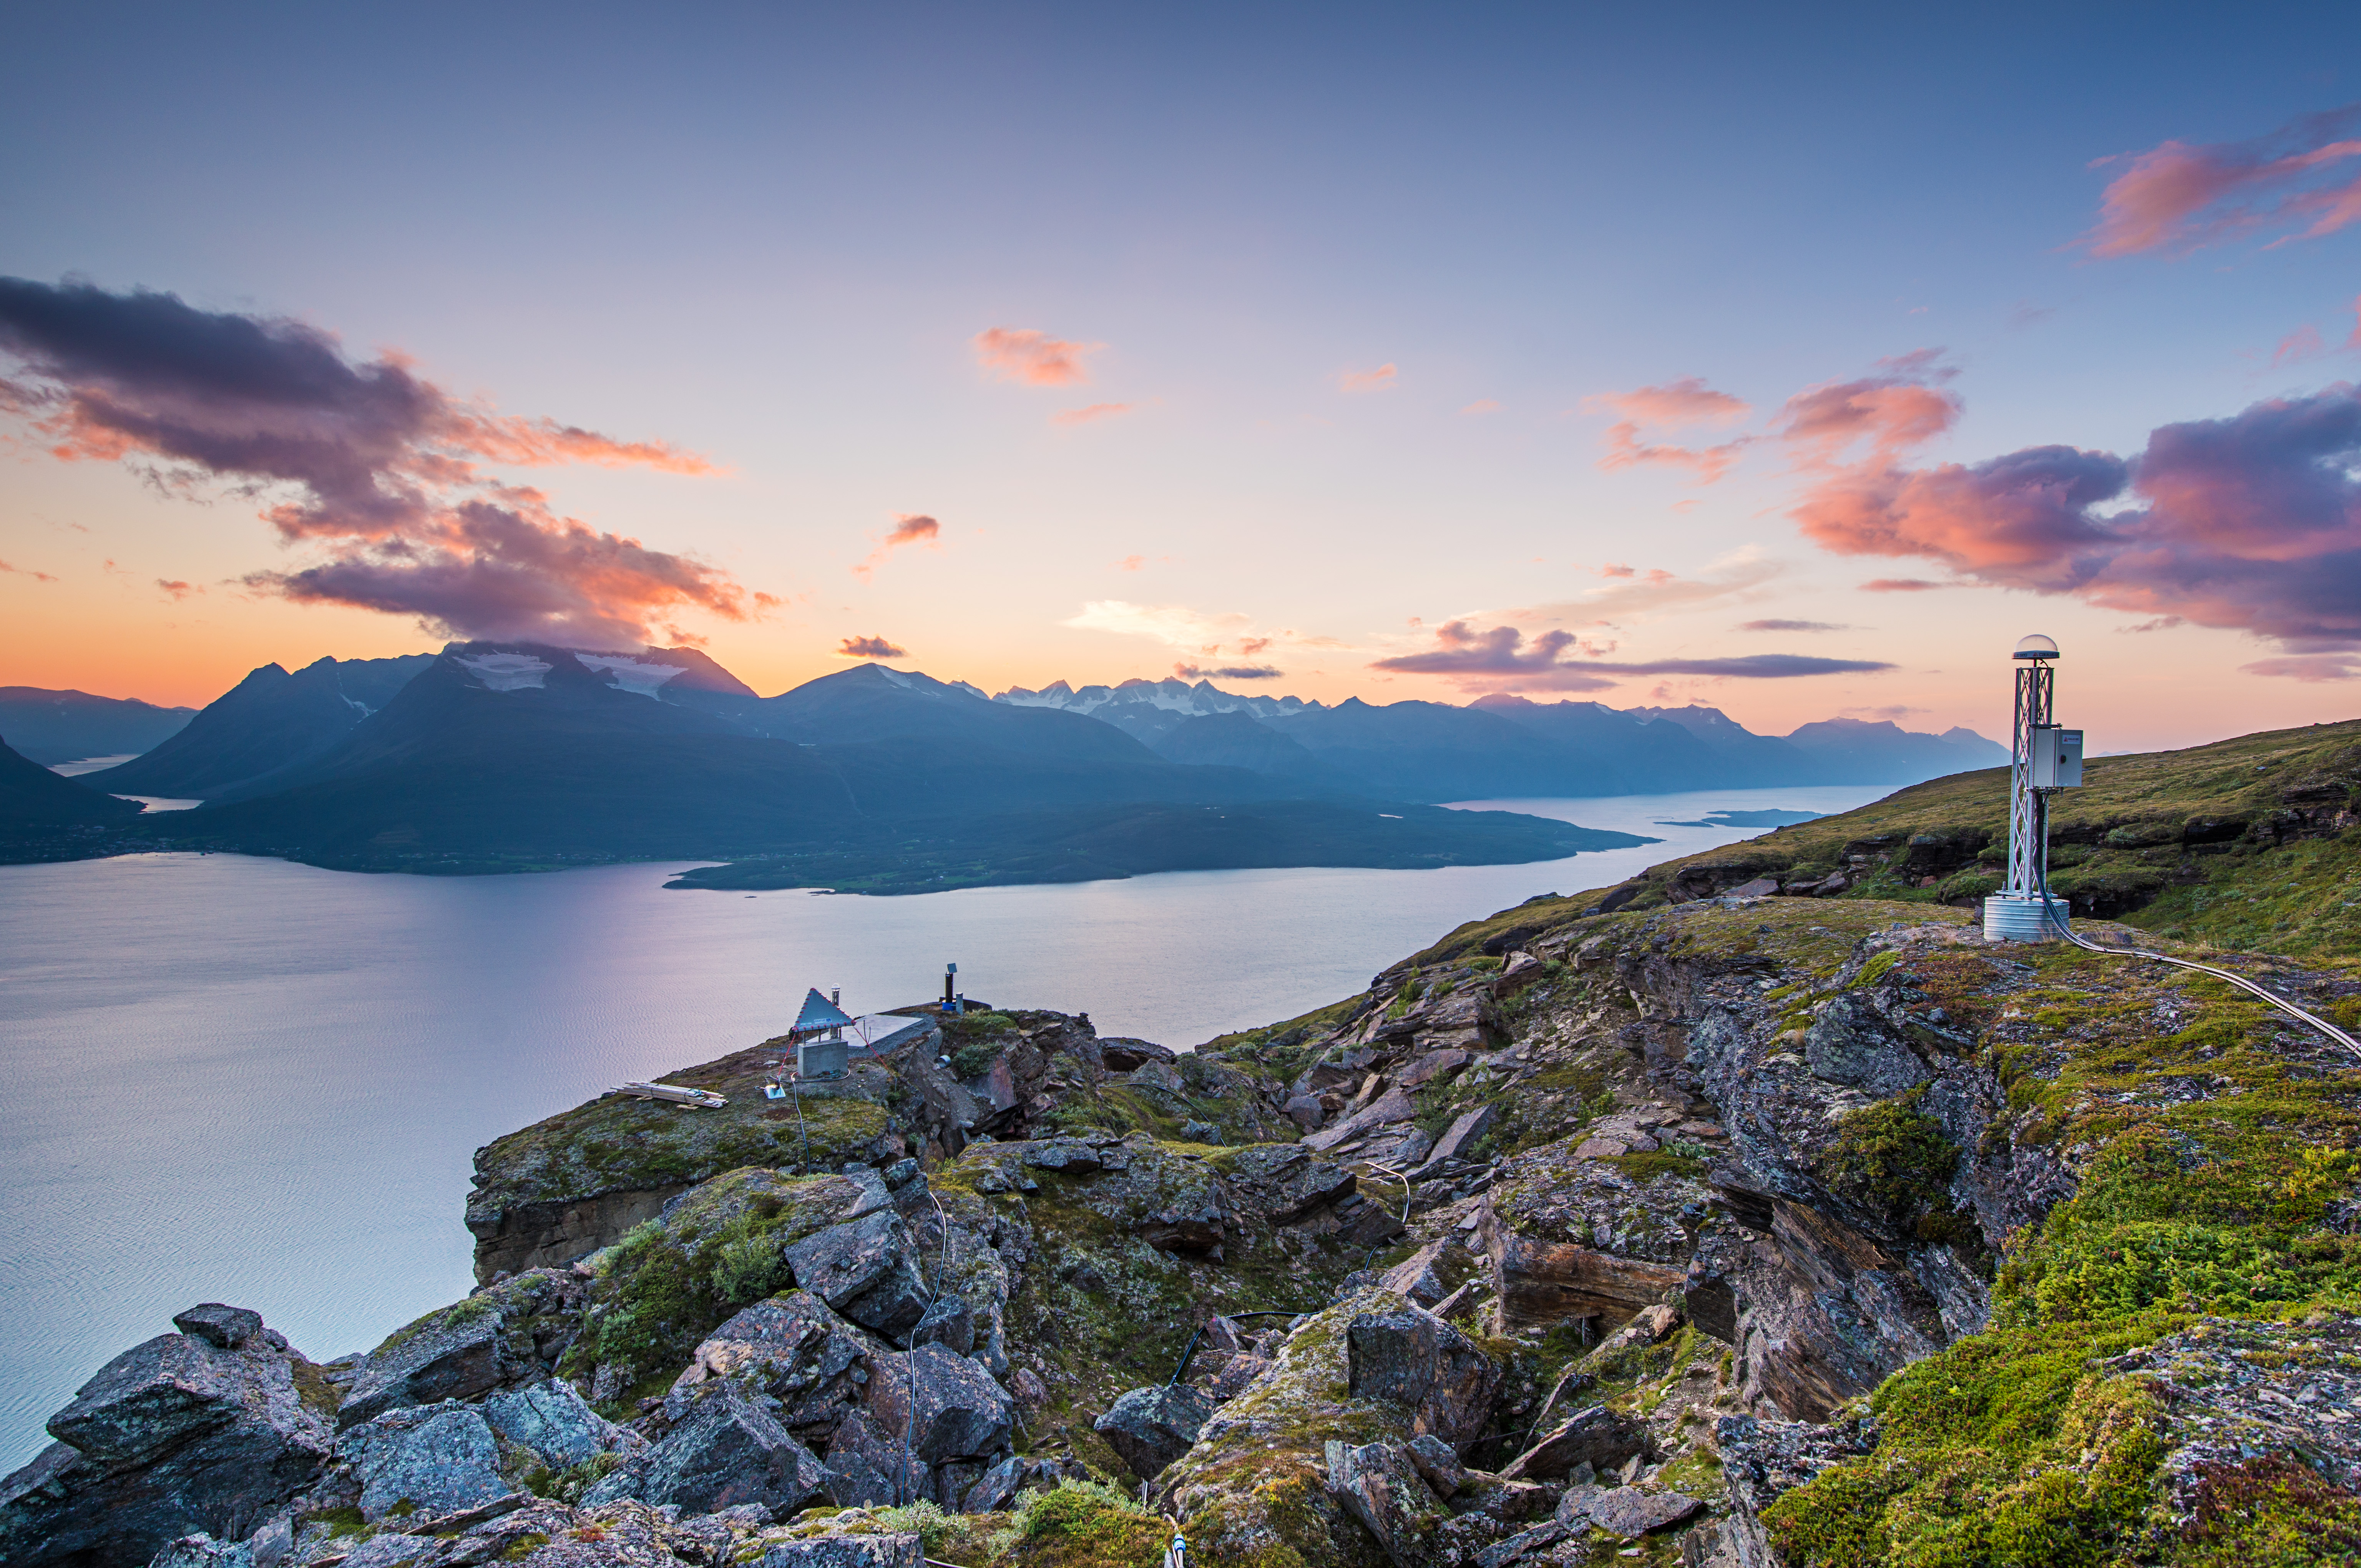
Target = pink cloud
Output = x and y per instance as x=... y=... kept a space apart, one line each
x=1375 y=380
x=1684 y=403
x=909 y=527
x=177 y=589
x=1626 y=450
x=870 y=648
x=1086 y=415
x=27 y=572
x=1894 y=411
x=2303 y=343
x=1688 y=401
x=2251 y=522
x=1033 y=358
x=1482 y=406
x=1902 y=586
x=2177 y=196
x=370 y=464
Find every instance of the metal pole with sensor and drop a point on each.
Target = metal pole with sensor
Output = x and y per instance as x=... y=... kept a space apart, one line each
x=2042 y=759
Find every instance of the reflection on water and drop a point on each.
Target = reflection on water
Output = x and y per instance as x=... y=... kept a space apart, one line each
x=245 y=1081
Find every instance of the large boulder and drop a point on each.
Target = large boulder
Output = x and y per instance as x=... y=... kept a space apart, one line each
x=504 y=1334
x=1149 y=1428
x=960 y=1412
x=555 y=1422
x=726 y=1451
x=175 y=1437
x=1626 y=1511
x=1255 y=1486
x=1380 y=1485
x=863 y=1470
x=423 y=1463
x=1852 y=1044
x=790 y=1349
x=867 y=1270
x=1412 y=1358
x=1597 y=1437
x=884 y=1550
x=219 y=1324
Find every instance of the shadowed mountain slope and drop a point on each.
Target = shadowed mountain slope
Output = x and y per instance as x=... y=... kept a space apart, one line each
x=47 y=726
x=269 y=721
x=32 y=796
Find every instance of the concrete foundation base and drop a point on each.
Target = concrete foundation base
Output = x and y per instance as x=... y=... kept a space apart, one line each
x=2016 y=917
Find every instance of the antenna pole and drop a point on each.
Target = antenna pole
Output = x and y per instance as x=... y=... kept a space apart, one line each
x=2042 y=759
x=2028 y=843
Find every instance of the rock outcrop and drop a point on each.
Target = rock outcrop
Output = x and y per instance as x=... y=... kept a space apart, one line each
x=189 y=1433
x=1749 y=1230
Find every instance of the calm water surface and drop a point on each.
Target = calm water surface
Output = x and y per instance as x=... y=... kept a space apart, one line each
x=246 y=1080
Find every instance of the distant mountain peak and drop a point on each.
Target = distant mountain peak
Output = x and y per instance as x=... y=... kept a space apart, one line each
x=1168 y=693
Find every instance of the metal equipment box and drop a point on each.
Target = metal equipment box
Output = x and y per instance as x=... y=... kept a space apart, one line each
x=2057 y=760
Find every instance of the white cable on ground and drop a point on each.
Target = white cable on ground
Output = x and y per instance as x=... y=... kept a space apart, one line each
x=2049 y=912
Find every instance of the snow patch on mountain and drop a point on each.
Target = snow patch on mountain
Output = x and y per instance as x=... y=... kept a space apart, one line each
x=506 y=672
x=632 y=674
x=1171 y=695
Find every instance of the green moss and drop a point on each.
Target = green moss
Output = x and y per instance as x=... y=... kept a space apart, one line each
x=344 y=1522
x=1658 y=1162
x=1893 y=1160
x=522 y=1547
x=670 y=1282
x=2003 y=1448
x=1876 y=968
x=617 y=1143
x=1084 y=1524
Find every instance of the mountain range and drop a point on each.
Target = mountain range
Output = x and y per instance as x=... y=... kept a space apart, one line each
x=510 y=756
x=1507 y=747
x=517 y=756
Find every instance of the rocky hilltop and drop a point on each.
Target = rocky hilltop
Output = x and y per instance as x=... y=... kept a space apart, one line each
x=1731 y=1228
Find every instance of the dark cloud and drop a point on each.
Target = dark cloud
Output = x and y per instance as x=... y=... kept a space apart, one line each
x=1228 y=672
x=870 y=648
x=1791 y=626
x=1500 y=654
x=2251 y=522
x=368 y=464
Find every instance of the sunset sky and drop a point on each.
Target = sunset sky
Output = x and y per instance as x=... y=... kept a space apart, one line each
x=1794 y=361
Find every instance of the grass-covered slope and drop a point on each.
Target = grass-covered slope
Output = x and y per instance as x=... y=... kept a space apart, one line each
x=2163 y=1190
x=2252 y=843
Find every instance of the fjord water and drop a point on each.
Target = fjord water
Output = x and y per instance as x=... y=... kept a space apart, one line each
x=252 y=1081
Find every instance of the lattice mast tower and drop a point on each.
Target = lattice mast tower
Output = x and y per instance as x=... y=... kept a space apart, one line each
x=2042 y=759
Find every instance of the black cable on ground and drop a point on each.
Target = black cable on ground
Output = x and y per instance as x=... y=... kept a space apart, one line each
x=1190 y=1354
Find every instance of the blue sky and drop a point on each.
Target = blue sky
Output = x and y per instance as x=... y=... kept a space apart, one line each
x=771 y=236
